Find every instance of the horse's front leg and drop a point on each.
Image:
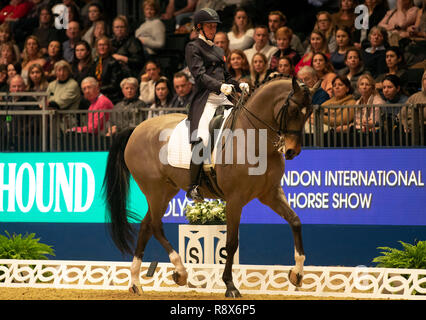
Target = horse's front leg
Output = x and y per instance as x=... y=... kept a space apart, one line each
x=277 y=201
x=233 y=216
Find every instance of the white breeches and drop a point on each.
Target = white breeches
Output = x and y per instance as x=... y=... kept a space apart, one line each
x=213 y=101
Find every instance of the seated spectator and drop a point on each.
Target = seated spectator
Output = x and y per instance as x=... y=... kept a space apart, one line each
x=344 y=42
x=395 y=65
x=4 y=86
x=73 y=36
x=184 y=93
x=7 y=54
x=108 y=71
x=397 y=21
x=15 y=10
x=151 y=33
x=417 y=31
x=128 y=113
x=6 y=36
x=238 y=66
x=354 y=68
x=17 y=84
x=36 y=79
x=309 y=77
x=317 y=43
x=391 y=88
x=54 y=54
x=30 y=55
x=12 y=70
x=325 y=24
x=83 y=65
x=277 y=20
x=261 y=39
x=95 y=13
x=151 y=74
x=181 y=11
x=406 y=113
x=125 y=47
x=323 y=69
x=63 y=93
x=286 y=66
x=95 y=120
x=259 y=69
x=376 y=11
x=283 y=38
x=367 y=118
x=241 y=34
x=374 y=56
x=163 y=97
x=346 y=14
x=339 y=119
x=221 y=40
x=100 y=29
x=45 y=31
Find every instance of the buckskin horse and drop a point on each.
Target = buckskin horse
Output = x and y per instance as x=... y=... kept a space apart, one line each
x=280 y=106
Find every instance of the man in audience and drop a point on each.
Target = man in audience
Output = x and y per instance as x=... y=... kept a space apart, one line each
x=183 y=89
x=73 y=35
x=261 y=44
x=221 y=40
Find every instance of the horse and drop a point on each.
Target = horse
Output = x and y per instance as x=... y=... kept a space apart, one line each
x=279 y=107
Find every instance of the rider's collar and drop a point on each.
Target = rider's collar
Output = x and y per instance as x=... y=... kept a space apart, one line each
x=209 y=42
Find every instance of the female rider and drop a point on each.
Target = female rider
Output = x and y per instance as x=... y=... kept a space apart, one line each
x=213 y=82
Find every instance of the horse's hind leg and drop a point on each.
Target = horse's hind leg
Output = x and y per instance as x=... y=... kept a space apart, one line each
x=277 y=201
x=145 y=233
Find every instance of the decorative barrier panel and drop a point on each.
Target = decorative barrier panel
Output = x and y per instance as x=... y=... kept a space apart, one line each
x=340 y=282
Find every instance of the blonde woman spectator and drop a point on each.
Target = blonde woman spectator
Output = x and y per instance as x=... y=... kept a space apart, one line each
x=259 y=69
x=36 y=79
x=31 y=54
x=367 y=118
x=151 y=33
x=397 y=21
x=326 y=26
x=7 y=53
x=241 y=34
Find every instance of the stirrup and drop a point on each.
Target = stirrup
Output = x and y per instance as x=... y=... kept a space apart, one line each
x=194 y=194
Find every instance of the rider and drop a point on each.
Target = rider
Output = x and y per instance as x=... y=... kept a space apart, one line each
x=213 y=82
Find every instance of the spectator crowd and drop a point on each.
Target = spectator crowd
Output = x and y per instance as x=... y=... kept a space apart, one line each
x=99 y=62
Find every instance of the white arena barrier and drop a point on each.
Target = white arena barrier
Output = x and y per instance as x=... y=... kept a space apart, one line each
x=339 y=282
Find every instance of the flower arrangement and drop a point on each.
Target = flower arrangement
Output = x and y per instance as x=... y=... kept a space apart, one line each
x=207 y=212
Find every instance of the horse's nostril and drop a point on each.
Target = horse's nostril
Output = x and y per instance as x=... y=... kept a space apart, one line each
x=289 y=154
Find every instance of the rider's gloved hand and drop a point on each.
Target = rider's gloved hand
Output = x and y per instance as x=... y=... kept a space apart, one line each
x=244 y=87
x=226 y=88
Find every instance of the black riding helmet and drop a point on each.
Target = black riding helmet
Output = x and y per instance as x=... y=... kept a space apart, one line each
x=206 y=15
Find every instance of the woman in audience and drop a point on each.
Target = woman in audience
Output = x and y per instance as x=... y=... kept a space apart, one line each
x=238 y=65
x=95 y=13
x=6 y=36
x=151 y=33
x=259 y=69
x=354 y=68
x=317 y=43
x=163 y=96
x=283 y=37
x=324 y=70
x=344 y=41
x=395 y=65
x=7 y=53
x=339 y=118
x=326 y=26
x=346 y=15
x=367 y=118
x=151 y=74
x=241 y=34
x=374 y=56
x=286 y=66
x=31 y=55
x=125 y=47
x=392 y=94
x=36 y=79
x=100 y=29
x=12 y=70
x=54 y=54
x=83 y=65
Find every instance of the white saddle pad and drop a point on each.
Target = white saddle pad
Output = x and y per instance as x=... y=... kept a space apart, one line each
x=179 y=147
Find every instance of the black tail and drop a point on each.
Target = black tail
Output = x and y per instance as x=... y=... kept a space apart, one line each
x=116 y=187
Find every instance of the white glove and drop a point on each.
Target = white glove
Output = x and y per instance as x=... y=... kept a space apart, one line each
x=244 y=86
x=226 y=88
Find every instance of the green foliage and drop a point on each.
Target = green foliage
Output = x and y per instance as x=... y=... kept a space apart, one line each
x=23 y=247
x=207 y=212
x=411 y=257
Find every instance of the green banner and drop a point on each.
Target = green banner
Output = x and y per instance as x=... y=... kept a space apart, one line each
x=58 y=187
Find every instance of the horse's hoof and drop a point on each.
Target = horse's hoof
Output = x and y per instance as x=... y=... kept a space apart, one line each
x=179 y=279
x=232 y=293
x=135 y=290
x=295 y=278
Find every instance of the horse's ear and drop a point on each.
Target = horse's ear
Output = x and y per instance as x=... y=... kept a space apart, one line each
x=315 y=87
x=295 y=85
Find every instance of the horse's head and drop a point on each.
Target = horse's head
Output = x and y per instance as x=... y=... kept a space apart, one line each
x=291 y=118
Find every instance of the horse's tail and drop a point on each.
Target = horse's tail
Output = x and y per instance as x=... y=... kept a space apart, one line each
x=116 y=186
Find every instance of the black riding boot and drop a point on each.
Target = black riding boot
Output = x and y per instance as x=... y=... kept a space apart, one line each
x=195 y=173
